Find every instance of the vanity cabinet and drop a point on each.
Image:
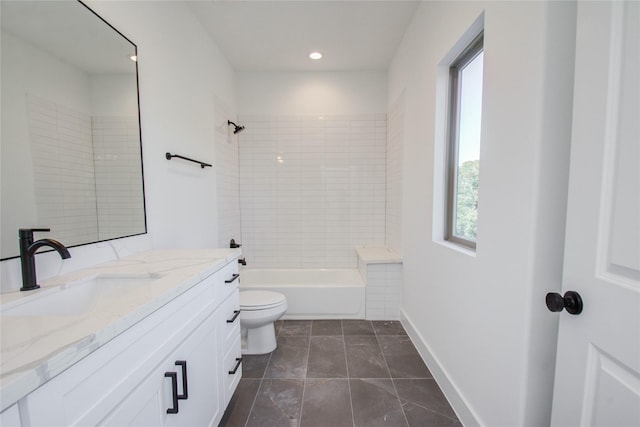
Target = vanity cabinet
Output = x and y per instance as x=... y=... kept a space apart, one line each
x=132 y=380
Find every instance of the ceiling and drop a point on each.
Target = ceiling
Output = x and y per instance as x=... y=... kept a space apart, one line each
x=71 y=32
x=269 y=35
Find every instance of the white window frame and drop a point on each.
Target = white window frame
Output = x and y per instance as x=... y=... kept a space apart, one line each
x=467 y=55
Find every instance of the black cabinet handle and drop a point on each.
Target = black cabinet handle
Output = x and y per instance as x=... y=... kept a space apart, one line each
x=233 y=278
x=185 y=392
x=235 y=368
x=174 y=391
x=236 y=313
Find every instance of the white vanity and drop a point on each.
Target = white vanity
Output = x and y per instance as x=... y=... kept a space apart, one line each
x=159 y=343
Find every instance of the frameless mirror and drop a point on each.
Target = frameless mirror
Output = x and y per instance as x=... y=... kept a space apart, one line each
x=70 y=135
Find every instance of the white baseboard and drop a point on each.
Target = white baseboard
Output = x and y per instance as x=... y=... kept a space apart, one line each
x=465 y=414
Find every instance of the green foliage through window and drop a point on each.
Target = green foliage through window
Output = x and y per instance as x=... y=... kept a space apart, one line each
x=467 y=200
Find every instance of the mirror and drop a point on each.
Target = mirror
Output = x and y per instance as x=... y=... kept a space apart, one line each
x=70 y=134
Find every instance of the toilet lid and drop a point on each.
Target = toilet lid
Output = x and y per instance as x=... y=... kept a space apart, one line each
x=255 y=300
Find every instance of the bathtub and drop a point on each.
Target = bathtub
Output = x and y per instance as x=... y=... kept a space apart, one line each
x=311 y=293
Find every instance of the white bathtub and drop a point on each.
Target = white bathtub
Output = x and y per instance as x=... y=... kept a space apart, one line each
x=311 y=293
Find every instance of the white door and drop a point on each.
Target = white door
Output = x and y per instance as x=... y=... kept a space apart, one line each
x=598 y=364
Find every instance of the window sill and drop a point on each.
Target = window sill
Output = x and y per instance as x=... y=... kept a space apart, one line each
x=457 y=247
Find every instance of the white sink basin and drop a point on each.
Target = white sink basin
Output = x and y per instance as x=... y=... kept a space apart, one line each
x=76 y=298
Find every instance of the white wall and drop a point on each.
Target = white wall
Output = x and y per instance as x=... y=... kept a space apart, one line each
x=308 y=93
x=181 y=70
x=113 y=94
x=479 y=320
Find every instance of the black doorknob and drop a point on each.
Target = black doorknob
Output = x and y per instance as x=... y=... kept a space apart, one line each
x=571 y=301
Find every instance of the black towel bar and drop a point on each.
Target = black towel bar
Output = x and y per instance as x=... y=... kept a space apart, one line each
x=169 y=156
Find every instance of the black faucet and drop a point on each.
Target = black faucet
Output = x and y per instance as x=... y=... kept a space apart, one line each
x=28 y=250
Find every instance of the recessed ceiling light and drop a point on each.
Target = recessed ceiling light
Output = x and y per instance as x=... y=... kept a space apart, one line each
x=134 y=58
x=315 y=55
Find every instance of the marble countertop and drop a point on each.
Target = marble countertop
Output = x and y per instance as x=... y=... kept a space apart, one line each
x=34 y=349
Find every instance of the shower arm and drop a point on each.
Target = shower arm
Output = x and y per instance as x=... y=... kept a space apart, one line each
x=237 y=128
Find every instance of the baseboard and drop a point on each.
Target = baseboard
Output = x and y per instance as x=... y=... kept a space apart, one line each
x=465 y=414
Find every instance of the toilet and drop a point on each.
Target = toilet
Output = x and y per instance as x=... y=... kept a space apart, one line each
x=258 y=311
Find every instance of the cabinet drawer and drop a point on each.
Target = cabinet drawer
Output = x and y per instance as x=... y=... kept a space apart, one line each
x=229 y=279
x=232 y=367
x=230 y=319
x=89 y=390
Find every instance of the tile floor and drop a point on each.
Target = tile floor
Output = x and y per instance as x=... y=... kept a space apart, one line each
x=338 y=373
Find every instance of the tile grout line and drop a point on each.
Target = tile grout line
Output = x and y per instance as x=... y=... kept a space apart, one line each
x=306 y=371
x=377 y=334
x=390 y=376
x=419 y=378
x=253 y=403
x=346 y=362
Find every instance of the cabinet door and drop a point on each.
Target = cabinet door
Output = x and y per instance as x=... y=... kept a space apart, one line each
x=203 y=407
x=142 y=408
x=10 y=417
x=148 y=403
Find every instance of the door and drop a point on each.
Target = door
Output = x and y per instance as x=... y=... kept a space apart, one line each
x=598 y=362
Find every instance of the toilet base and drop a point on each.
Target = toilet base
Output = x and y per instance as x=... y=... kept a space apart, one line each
x=261 y=340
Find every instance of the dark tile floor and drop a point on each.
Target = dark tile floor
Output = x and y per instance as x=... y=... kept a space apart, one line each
x=338 y=373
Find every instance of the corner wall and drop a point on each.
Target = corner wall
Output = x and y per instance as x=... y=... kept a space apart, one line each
x=479 y=319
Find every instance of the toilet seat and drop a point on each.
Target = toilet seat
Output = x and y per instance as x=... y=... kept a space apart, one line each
x=260 y=300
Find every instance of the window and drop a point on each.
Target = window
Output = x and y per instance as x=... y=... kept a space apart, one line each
x=463 y=149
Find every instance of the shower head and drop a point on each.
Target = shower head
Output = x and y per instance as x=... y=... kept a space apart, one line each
x=237 y=129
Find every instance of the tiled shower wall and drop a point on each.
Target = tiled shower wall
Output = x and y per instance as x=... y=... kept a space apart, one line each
x=118 y=172
x=394 y=175
x=64 y=179
x=87 y=173
x=227 y=177
x=311 y=189
x=384 y=289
